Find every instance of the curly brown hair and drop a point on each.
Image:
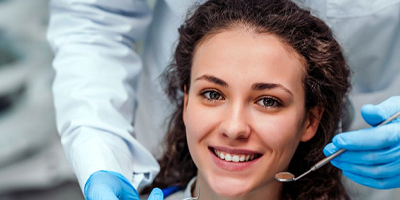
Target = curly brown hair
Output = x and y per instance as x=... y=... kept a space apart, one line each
x=326 y=84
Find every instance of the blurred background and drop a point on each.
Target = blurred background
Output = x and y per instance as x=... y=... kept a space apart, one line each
x=32 y=162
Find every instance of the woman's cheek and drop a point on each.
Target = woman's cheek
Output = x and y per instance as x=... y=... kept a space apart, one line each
x=278 y=134
x=199 y=120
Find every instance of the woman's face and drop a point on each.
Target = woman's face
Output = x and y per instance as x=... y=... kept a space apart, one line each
x=245 y=112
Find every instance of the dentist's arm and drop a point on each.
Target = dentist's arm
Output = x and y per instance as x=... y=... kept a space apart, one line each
x=373 y=154
x=94 y=90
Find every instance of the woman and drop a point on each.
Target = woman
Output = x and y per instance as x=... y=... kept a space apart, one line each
x=258 y=88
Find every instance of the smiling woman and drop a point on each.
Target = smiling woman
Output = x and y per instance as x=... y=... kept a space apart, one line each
x=243 y=119
x=258 y=88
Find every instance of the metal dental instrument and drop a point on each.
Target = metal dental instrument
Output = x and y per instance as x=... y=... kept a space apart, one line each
x=288 y=177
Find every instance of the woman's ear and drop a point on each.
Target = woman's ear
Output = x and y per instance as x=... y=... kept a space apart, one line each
x=185 y=100
x=312 y=122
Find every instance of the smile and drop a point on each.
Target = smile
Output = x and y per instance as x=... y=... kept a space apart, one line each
x=235 y=157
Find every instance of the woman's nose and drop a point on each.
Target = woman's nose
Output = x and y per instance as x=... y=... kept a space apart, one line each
x=234 y=124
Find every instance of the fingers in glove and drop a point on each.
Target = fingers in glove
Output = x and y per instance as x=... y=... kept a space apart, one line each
x=370 y=138
x=330 y=149
x=156 y=194
x=375 y=114
x=384 y=183
x=372 y=171
x=371 y=157
x=92 y=192
x=108 y=185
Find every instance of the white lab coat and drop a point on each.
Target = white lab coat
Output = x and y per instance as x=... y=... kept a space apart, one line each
x=105 y=94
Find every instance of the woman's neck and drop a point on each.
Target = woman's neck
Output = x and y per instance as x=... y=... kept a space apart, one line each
x=271 y=191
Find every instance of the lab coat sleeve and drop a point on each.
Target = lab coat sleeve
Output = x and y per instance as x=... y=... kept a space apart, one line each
x=94 y=86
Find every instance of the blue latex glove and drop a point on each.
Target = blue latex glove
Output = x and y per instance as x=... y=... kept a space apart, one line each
x=108 y=185
x=373 y=154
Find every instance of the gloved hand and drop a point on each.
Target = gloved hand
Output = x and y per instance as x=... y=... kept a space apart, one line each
x=108 y=185
x=373 y=154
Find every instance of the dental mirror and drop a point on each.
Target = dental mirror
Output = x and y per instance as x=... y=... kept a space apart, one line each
x=289 y=177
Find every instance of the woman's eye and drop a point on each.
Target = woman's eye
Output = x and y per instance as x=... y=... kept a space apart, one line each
x=212 y=95
x=269 y=102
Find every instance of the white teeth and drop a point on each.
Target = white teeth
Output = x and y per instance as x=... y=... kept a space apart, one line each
x=234 y=158
x=228 y=157
x=222 y=156
x=242 y=158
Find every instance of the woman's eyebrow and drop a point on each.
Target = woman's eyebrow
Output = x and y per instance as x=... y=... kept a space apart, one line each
x=213 y=79
x=265 y=86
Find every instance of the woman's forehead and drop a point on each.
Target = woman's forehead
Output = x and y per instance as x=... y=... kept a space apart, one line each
x=241 y=53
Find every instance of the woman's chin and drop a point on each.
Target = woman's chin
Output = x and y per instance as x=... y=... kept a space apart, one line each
x=230 y=188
